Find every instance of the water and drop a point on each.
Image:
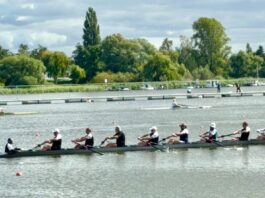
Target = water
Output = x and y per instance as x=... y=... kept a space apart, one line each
x=222 y=172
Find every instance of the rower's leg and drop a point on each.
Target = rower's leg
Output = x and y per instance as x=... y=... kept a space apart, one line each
x=109 y=145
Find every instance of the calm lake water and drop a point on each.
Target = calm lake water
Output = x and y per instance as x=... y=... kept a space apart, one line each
x=222 y=172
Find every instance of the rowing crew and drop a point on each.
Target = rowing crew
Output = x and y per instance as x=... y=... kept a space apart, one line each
x=149 y=139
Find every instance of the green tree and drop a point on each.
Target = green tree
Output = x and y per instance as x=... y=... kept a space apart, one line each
x=87 y=56
x=211 y=42
x=4 y=53
x=21 y=70
x=245 y=64
x=260 y=52
x=77 y=73
x=167 y=45
x=161 y=68
x=125 y=55
x=38 y=52
x=248 y=48
x=23 y=49
x=56 y=64
x=187 y=53
x=91 y=31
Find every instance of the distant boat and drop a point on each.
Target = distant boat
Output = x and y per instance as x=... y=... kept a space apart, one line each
x=147 y=87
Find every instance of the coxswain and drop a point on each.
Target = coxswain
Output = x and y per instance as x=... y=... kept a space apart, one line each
x=210 y=136
x=9 y=148
x=119 y=136
x=244 y=133
x=88 y=139
x=54 y=143
x=181 y=137
x=151 y=138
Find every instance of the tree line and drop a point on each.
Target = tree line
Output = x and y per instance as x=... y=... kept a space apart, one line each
x=205 y=55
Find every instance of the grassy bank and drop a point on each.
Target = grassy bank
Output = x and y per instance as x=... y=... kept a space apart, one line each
x=50 y=88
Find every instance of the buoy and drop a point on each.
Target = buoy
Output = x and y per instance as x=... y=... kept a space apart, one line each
x=18 y=173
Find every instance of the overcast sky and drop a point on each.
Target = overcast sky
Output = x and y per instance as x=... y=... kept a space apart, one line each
x=57 y=24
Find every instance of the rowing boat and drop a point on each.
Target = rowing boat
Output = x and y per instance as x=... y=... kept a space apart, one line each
x=29 y=153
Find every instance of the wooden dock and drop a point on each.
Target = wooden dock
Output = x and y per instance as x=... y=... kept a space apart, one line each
x=133 y=98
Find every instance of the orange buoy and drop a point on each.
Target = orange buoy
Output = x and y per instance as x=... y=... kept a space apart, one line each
x=18 y=173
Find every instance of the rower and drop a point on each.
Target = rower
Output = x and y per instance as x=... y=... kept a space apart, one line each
x=88 y=139
x=183 y=135
x=119 y=136
x=151 y=138
x=54 y=143
x=9 y=148
x=211 y=135
x=262 y=134
x=245 y=131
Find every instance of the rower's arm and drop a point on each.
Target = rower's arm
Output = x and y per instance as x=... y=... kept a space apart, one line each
x=112 y=138
x=143 y=136
x=79 y=139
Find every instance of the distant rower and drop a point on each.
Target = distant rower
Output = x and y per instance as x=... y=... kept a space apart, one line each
x=183 y=136
x=151 y=138
x=211 y=135
x=88 y=139
x=119 y=136
x=54 y=143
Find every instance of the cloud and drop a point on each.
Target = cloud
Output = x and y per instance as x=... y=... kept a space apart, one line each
x=29 y=6
x=6 y=39
x=47 y=38
x=58 y=23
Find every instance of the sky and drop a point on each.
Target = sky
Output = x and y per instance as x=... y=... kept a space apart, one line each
x=57 y=24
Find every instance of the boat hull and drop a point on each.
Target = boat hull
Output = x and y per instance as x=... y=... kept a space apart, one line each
x=31 y=153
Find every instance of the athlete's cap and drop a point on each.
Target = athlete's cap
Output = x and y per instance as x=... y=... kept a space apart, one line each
x=213 y=125
x=153 y=128
x=56 y=131
x=118 y=127
x=182 y=124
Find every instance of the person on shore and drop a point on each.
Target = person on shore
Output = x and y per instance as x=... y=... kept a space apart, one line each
x=238 y=89
x=119 y=136
x=54 y=143
x=218 y=87
x=181 y=137
x=244 y=133
x=88 y=139
x=151 y=138
x=210 y=136
x=9 y=148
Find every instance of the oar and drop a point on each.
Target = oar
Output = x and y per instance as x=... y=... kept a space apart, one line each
x=152 y=145
x=91 y=148
x=39 y=145
x=227 y=135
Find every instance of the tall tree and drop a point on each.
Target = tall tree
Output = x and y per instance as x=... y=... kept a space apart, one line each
x=212 y=44
x=91 y=34
x=187 y=53
x=87 y=55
